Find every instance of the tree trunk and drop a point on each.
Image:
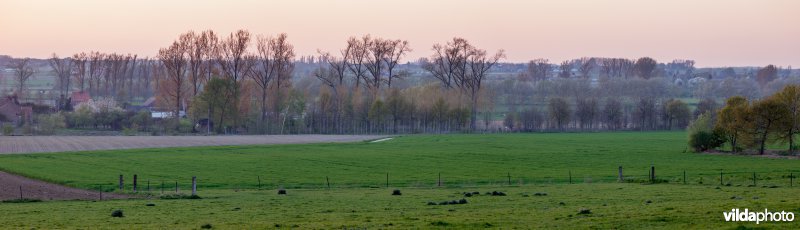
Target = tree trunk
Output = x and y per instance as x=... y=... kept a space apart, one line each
x=791 y=143
x=763 y=143
x=178 y=111
x=474 y=113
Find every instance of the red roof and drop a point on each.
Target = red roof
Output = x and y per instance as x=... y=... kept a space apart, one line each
x=80 y=97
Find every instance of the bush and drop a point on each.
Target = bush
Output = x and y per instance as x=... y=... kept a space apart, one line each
x=49 y=123
x=281 y=191
x=8 y=130
x=117 y=213
x=396 y=192
x=704 y=140
x=185 y=126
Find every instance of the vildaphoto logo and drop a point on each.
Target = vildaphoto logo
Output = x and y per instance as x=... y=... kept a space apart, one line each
x=765 y=216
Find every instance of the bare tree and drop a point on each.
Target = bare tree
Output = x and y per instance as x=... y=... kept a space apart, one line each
x=212 y=45
x=80 y=60
x=586 y=111
x=566 y=69
x=396 y=50
x=23 y=71
x=612 y=113
x=645 y=67
x=196 y=58
x=95 y=70
x=462 y=65
x=274 y=63
x=175 y=62
x=448 y=62
x=538 y=69
x=234 y=62
x=358 y=52
x=586 y=66
x=63 y=70
x=559 y=112
x=766 y=75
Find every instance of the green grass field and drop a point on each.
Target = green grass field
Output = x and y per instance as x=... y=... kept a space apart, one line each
x=358 y=198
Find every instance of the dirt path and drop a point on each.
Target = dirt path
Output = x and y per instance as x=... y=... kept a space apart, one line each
x=37 y=144
x=10 y=186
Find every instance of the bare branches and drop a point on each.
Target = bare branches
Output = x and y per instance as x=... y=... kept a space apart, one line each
x=79 y=74
x=63 y=70
x=23 y=71
x=539 y=69
x=232 y=55
x=395 y=50
x=461 y=65
x=357 y=51
x=273 y=64
x=174 y=58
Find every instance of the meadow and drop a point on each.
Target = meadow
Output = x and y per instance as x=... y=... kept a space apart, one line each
x=569 y=171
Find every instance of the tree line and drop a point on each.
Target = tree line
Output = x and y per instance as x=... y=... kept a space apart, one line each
x=245 y=83
x=744 y=123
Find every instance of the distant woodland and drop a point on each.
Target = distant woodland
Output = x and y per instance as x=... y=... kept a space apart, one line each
x=241 y=83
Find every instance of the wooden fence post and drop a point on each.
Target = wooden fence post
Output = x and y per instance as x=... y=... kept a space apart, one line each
x=20 y=192
x=570 y=176
x=720 y=177
x=440 y=180
x=176 y=186
x=754 y=178
x=194 y=185
x=162 y=187
x=259 y=182
x=620 y=177
x=791 y=179
x=120 y=182
x=387 y=180
x=148 y=185
x=509 y=178
x=135 y=182
x=684 y=176
x=652 y=174
x=328 y=182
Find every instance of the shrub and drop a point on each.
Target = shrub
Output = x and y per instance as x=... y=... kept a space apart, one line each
x=206 y=226
x=49 y=123
x=584 y=211
x=117 y=213
x=281 y=191
x=704 y=140
x=396 y=192
x=8 y=130
x=185 y=126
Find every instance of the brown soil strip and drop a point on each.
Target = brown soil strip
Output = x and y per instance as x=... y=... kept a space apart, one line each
x=10 y=186
x=37 y=144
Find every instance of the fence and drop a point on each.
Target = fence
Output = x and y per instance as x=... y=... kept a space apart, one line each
x=650 y=175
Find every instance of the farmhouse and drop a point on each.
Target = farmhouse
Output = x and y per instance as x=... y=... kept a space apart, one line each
x=12 y=111
x=80 y=97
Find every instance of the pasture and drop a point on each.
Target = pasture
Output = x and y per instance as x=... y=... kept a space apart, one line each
x=575 y=170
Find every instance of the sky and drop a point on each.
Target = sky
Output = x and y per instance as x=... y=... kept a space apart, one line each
x=714 y=33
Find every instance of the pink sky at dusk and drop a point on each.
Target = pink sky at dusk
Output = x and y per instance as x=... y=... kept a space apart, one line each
x=711 y=32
